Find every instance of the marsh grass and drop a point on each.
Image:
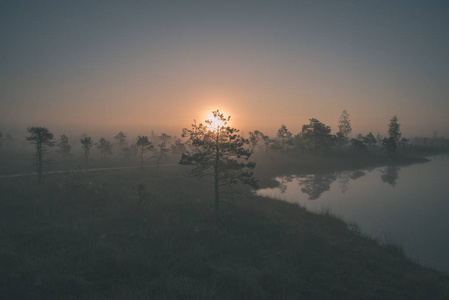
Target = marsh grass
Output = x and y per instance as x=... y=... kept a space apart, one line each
x=92 y=236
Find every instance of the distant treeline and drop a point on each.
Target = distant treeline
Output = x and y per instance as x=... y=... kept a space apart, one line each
x=315 y=136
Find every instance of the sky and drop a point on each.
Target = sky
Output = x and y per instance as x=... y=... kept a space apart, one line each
x=136 y=66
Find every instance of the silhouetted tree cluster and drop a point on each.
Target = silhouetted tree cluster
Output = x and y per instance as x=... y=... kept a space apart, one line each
x=285 y=137
x=370 y=140
x=317 y=136
x=202 y=140
x=313 y=136
x=136 y=149
x=358 y=144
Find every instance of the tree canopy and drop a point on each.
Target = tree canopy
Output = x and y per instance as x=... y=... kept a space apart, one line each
x=391 y=143
x=317 y=134
x=394 y=129
x=344 y=127
x=285 y=136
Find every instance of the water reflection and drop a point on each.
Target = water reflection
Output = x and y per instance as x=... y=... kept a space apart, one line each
x=344 y=177
x=413 y=213
x=317 y=184
x=390 y=175
x=343 y=181
x=314 y=185
x=283 y=183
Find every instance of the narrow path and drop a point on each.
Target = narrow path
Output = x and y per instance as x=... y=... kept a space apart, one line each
x=84 y=170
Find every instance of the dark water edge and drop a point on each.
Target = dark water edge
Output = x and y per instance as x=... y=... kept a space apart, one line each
x=270 y=167
x=419 y=223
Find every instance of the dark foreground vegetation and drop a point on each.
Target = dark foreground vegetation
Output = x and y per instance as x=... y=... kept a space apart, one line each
x=130 y=234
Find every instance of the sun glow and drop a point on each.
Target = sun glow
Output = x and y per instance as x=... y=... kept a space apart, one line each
x=214 y=123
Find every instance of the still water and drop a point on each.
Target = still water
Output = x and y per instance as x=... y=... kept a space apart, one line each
x=407 y=205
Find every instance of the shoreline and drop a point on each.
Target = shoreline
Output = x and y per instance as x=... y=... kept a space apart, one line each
x=307 y=163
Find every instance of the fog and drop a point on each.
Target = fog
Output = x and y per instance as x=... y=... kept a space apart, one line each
x=224 y=149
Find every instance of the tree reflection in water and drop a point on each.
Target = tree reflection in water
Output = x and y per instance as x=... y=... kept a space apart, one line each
x=316 y=184
x=390 y=175
x=343 y=181
x=345 y=176
x=284 y=181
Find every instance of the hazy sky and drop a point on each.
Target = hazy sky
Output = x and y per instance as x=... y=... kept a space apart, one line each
x=136 y=66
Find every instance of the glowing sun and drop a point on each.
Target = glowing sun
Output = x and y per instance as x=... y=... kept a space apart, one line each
x=215 y=122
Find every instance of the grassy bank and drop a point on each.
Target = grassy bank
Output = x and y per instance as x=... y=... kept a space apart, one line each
x=91 y=235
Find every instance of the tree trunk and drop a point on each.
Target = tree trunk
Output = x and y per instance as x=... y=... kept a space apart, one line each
x=39 y=162
x=217 y=194
x=141 y=157
x=217 y=199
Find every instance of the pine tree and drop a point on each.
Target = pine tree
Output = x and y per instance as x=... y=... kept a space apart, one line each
x=41 y=137
x=218 y=150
